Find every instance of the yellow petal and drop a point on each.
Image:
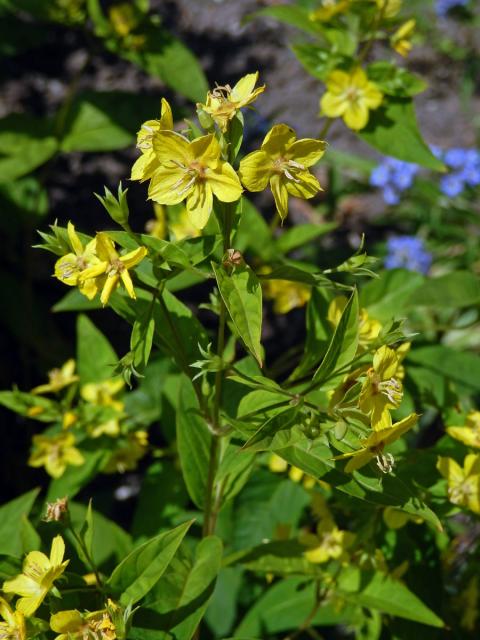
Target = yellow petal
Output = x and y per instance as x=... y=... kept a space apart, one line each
x=199 y=204
x=66 y=269
x=356 y=115
x=280 y=195
x=278 y=140
x=360 y=459
x=471 y=464
x=166 y=119
x=337 y=81
x=255 y=170
x=66 y=621
x=467 y=435
x=22 y=585
x=206 y=148
x=109 y=287
x=306 y=151
x=385 y=362
x=244 y=87
x=74 y=239
x=168 y=185
x=144 y=167
x=317 y=555
x=450 y=470
x=74 y=457
x=224 y=182
x=333 y=105
x=132 y=258
x=34 y=561
x=106 y=247
x=93 y=272
x=307 y=187
x=127 y=281
x=380 y=418
x=28 y=605
x=58 y=550
x=277 y=464
x=372 y=96
x=88 y=288
x=169 y=145
x=398 y=429
x=358 y=77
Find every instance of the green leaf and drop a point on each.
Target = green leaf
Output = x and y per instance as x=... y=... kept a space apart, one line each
x=141 y=341
x=281 y=557
x=286 y=606
x=96 y=359
x=138 y=573
x=459 y=367
x=222 y=610
x=344 y=342
x=164 y=56
x=393 y=130
x=25 y=143
x=105 y=121
x=455 y=290
x=389 y=295
x=318 y=330
x=234 y=470
x=109 y=543
x=75 y=301
x=277 y=432
x=22 y=402
x=395 y=81
x=242 y=295
x=379 y=591
x=179 y=600
x=300 y=235
x=193 y=441
x=289 y=14
x=12 y=516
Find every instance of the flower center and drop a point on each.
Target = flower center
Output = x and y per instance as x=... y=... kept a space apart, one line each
x=287 y=167
x=391 y=388
x=385 y=462
x=461 y=492
x=353 y=94
x=196 y=171
x=116 y=267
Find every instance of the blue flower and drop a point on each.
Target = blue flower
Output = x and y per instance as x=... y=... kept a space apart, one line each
x=465 y=165
x=407 y=252
x=393 y=176
x=443 y=6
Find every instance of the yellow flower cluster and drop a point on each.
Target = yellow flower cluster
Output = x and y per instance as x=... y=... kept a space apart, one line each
x=97 y=266
x=463 y=482
x=196 y=171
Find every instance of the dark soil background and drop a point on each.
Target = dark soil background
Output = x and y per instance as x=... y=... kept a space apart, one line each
x=38 y=80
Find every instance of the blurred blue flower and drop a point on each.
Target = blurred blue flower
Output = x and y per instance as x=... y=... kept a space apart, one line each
x=465 y=165
x=407 y=252
x=393 y=176
x=442 y=7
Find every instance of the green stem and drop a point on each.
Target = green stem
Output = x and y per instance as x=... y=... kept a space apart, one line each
x=87 y=555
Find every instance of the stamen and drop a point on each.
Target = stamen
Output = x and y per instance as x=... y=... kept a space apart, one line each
x=187 y=186
x=385 y=462
x=289 y=176
x=392 y=389
x=297 y=165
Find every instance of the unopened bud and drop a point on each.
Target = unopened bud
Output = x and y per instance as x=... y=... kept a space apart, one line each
x=56 y=511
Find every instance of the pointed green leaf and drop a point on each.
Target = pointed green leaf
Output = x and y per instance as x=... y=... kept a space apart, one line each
x=393 y=130
x=12 y=515
x=96 y=359
x=242 y=294
x=139 y=572
x=193 y=442
x=344 y=342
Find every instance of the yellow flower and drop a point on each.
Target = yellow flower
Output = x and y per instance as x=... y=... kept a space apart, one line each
x=126 y=457
x=463 y=483
x=374 y=445
x=55 y=453
x=390 y=8
x=73 y=625
x=146 y=165
x=286 y=295
x=276 y=464
x=69 y=418
x=192 y=171
x=283 y=163
x=102 y=393
x=69 y=267
x=12 y=626
x=368 y=328
x=381 y=390
x=328 y=9
x=37 y=577
x=182 y=227
x=223 y=102
x=157 y=227
x=58 y=378
x=350 y=96
x=470 y=433
x=114 y=266
x=401 y=39
x=330 y=543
